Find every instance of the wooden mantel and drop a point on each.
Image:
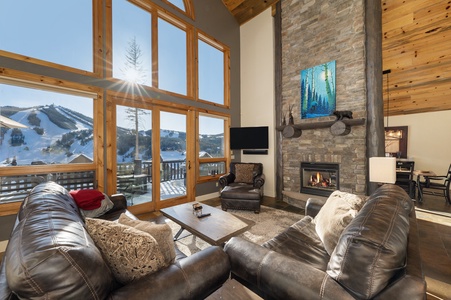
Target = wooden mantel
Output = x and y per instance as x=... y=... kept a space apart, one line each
x=338 y=127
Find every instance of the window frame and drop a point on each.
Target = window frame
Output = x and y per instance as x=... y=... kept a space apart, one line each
x=225 y=159
x=97 y=52
x=226 y=68
x=26 y=80
x=189 y=8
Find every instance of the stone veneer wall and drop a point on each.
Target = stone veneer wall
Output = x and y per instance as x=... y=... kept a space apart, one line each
x=314 y=32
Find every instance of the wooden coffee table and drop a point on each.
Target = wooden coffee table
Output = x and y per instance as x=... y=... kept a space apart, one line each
x=215 y=229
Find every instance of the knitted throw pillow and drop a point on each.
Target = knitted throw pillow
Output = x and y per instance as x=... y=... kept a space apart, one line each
x=244 y=173
x=130 y=253
x=161 y=232
x=338 y=211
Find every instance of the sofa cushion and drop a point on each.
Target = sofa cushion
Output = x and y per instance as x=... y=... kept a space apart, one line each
x=338 y=211
x=162 y=233
x=300 y=241
x=130 y=253
x=244 y=173
x=374 y=245
x=105 y=205
x=50 y=255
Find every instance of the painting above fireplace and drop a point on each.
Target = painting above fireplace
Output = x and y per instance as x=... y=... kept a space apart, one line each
x=319 y=178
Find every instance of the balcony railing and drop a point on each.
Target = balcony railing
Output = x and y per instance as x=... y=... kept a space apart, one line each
x=16 y=188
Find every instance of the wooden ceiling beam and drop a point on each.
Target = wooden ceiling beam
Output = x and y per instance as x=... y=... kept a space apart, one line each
x=244 y=10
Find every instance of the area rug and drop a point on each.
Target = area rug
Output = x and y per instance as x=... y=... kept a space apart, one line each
x=265 y=225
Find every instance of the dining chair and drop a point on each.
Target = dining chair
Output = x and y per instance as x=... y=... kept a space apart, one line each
x=433 y=185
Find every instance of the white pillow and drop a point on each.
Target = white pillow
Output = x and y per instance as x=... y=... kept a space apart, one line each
x=338 y=211
x=105 y=205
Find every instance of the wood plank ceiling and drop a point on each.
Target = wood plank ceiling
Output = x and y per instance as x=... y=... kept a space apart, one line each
x=416 y=47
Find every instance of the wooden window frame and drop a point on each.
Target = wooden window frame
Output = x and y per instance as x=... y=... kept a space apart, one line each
x=225 y=159
x=97 y=53
x=226 y=68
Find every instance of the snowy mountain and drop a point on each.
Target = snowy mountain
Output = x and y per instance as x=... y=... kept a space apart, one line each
x=58 y=135
x=54 y=135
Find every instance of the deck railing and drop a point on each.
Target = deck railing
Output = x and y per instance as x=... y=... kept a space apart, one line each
x=16 y=188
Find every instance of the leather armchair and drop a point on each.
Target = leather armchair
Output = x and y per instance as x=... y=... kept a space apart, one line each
x=242 y=187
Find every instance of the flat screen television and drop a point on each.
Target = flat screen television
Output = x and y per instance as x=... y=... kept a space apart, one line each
x=249 y=138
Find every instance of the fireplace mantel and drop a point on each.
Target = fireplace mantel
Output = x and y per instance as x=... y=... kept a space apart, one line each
x=342 y=127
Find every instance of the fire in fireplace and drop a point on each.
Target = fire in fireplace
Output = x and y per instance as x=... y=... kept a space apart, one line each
x=319 y=178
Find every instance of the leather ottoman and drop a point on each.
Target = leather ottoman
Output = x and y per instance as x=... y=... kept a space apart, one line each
x=244 y=197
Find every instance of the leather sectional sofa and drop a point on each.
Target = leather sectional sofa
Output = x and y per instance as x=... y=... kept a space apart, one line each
x=50 y=255
x=376 y=256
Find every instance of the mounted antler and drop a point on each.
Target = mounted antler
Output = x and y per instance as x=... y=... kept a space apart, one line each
x=290 y=118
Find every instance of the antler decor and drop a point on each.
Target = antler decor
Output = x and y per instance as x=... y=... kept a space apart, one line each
x=290 y=115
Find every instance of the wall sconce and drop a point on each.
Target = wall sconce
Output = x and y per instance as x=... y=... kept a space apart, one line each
x=383 y=169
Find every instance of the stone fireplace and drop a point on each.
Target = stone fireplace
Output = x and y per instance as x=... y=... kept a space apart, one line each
x=319 y=178
x=313 y=32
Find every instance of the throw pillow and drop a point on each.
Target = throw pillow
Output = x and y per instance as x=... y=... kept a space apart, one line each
x=161 y=232
x=129 y=252
x=373 y=248
x=105 y=205
x=338 y=211
x=244 y=173
x=87 y=199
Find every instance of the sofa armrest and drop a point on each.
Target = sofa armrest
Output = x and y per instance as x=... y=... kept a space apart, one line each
x=225 y=180
x=313 y=206
x=259 y=181
x=194 y=277
x=279 y=276
x=120 y=202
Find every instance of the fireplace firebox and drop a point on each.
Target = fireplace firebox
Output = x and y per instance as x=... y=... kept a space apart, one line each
x=319 y=178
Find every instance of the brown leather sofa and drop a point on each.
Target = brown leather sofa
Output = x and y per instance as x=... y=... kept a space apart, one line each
x=242 y=187
x=50 y=255
x=377 y=256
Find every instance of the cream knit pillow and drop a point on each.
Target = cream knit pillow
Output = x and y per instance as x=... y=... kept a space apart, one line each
x=161 y=232
x=338 y=211
x=130 y=253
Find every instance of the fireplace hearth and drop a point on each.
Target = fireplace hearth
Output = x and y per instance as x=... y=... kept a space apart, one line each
x=319 y=178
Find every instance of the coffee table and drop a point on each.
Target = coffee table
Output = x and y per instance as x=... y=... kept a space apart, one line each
x=215 y=229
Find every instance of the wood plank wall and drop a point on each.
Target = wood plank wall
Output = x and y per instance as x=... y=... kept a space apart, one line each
x=416 y=47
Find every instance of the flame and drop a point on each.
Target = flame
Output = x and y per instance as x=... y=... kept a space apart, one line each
x=318 y=177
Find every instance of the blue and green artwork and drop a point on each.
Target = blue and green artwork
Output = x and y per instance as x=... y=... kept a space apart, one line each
x=318 y=91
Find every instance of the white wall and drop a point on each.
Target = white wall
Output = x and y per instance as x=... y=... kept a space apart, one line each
x=429 y=139
x=257 y=88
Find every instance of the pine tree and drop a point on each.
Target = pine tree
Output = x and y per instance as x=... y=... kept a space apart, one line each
x=134 y=74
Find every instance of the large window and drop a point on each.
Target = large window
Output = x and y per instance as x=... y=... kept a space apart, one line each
x=53 y=127
x=212 y=156
x=70 y=56
x=52 y=30
x=172 y=58
x=132 y=60
x=211 y=73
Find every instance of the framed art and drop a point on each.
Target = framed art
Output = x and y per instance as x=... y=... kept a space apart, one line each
x=318 y=91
